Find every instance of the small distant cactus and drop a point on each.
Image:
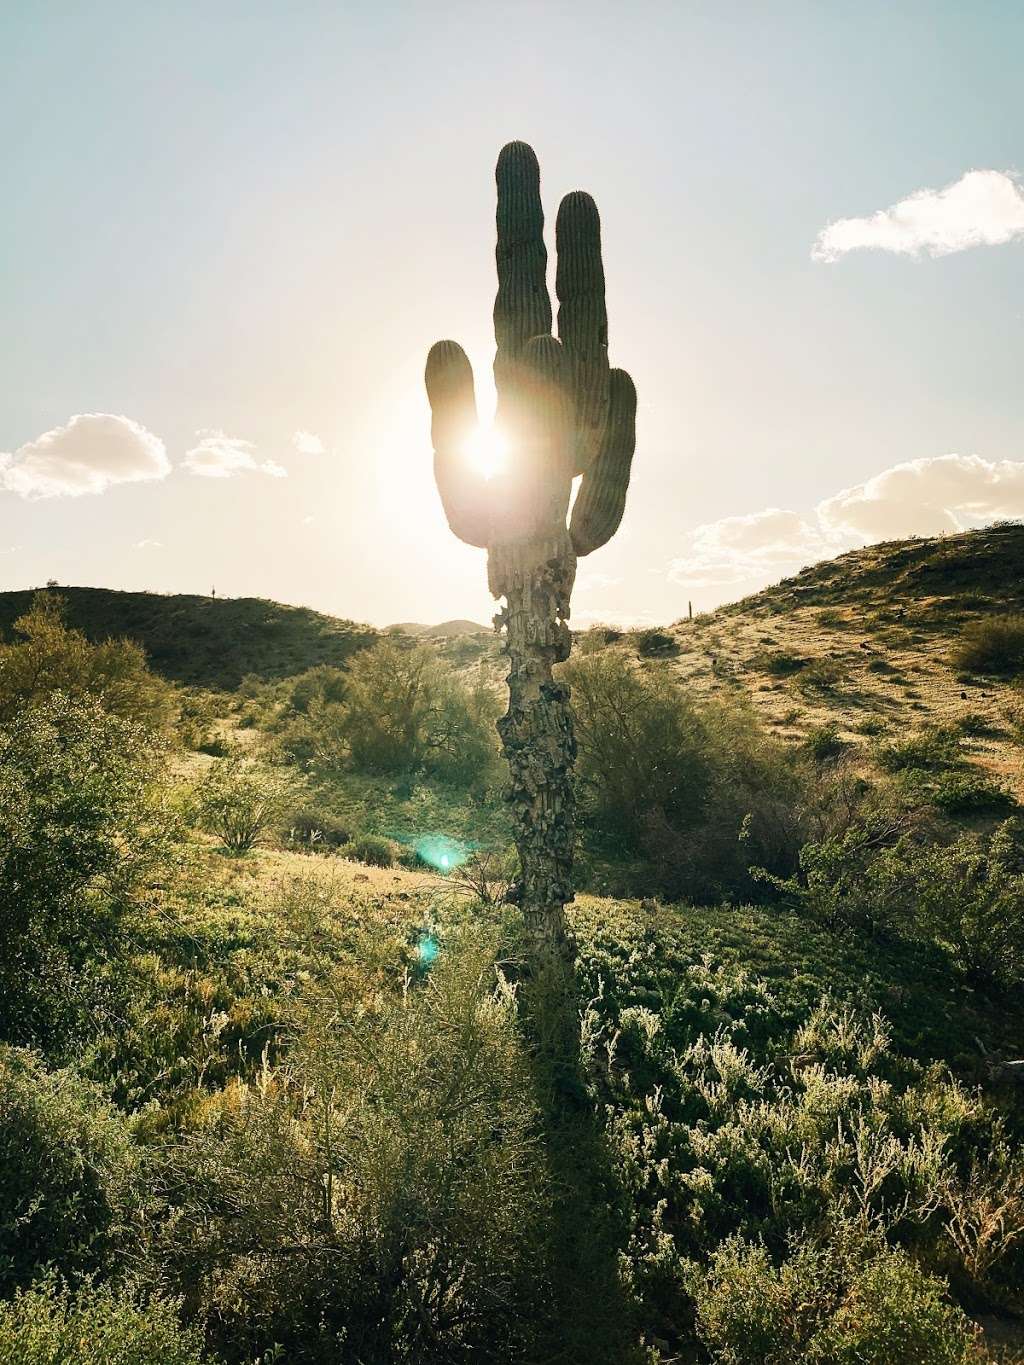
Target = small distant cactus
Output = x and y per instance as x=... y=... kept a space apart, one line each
x=563 y=412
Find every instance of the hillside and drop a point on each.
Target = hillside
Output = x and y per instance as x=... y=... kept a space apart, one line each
x=864 y=642
x=204 y=641
x=443 y=631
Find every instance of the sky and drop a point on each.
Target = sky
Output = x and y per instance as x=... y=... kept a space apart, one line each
x=231 y=232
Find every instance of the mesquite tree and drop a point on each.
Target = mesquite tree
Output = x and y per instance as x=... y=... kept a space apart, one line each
x=562 y=412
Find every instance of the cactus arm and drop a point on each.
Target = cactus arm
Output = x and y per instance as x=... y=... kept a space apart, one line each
x=602 y=497
x=522 y=308
x=583 y=318
x=464 y=493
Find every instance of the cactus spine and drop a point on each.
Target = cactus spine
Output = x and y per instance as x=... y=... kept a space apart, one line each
x=563 y=413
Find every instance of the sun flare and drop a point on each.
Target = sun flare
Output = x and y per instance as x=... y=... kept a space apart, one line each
x=486 y=451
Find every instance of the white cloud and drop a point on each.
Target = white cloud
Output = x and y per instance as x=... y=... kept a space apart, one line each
x=91 y=453
x=982 y=208
x=308 y=443
x=220 y=457
x=918 y=497
x=149 y=545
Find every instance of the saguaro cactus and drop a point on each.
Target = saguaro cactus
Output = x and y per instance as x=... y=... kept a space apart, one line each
x=562 y=413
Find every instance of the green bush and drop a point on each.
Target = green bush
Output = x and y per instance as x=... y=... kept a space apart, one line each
x=242 y=799
x=781 y=663
x=406 y=711
x=96 y=1326
x=315 y=829
x=971 y=794
x=71 y=1188
x=373 y=850
x=81 y=829
x=852 y=1301
x=994 y=644
x=52 y=658
x=383 y=1196
x=931 y=749
x=824 y=742
x=643 y=747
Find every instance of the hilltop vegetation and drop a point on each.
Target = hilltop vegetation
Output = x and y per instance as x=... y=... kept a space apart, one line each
x=268 y=1091
x=205 y=641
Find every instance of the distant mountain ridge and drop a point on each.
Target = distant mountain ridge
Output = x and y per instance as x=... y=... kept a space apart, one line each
x=206 y=641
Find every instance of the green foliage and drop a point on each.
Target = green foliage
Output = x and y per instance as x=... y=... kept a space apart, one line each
x=372 y=849
x=781 y=1158
x=382 y=1196
x=406 y=711
x=81 y=828
x=993 y=644
x=967 y=895
x=782 y=663
x=642 y=747
x=49 y=1326
x=71 y=1192
x=931 y=749
x=699 y=792
x=50 y=657
x=316 y=830
x=655 y=644
x=837 y=1303
x=242 y=799
x=970 y=793
x=823 y=742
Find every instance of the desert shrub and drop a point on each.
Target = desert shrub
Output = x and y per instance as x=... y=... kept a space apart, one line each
x=967 y=896
x=781 y=663
x=976 y=725
x=643 y=748
x=823 y=742
x=699 y=792
x=743 y=1109
x=970 y=793
x=241 y=800
x=871 y=726
x=831 y=618
x=372 y=849
x=47 y=1325
x=655 y=644
x=71 y=1190
x=381 y=1197
x=931 y=749
x=407 y=711
x=994 y=644
x=324 y=685
x=196 y=719
x=315 y=829
x=50 y=657
x=81 y=828
x=851 y=1301
x=822 y=675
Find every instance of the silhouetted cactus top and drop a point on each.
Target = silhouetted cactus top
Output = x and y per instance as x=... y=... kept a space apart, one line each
x=562 y=410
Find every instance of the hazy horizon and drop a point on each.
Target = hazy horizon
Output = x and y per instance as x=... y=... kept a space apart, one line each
x=233 y=235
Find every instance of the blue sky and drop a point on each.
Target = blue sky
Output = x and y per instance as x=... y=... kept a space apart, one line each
x=254 y=219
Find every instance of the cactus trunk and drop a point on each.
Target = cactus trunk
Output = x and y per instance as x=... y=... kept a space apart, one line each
x=535 y=578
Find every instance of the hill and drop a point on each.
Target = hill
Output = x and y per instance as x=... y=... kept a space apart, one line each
x=864 y=642
x=204 y=641
x=444 y=631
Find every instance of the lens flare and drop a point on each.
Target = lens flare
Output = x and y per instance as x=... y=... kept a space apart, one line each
x=486 y=451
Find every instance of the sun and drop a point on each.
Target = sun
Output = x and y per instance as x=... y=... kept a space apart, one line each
x=486 y=451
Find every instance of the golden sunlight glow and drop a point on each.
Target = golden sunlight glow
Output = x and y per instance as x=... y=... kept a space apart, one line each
x=486 y=450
